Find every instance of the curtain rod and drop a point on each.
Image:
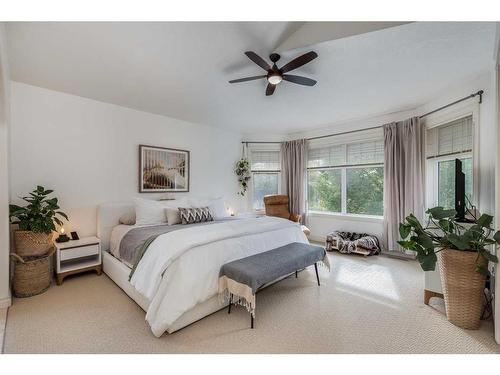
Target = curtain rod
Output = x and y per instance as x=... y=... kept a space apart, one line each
x=479 y=93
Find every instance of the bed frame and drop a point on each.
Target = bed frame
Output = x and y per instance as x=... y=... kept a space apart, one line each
x=108 y=216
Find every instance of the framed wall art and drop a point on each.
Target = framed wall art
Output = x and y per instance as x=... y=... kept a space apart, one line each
x=163 y=170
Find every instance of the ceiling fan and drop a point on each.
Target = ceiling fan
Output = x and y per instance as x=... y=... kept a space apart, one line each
x=275 y=75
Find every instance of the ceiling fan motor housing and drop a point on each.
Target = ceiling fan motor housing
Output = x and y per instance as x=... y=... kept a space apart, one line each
x=274 y=57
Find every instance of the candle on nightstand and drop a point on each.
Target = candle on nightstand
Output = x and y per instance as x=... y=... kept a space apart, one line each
x=63 y=237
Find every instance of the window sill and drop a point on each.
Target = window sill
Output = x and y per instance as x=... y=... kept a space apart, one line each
x=353 y=217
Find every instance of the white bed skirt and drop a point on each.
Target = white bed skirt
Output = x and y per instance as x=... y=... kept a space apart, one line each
x=119 y=272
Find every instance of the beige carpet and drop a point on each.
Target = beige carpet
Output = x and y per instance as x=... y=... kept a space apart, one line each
x=365 y=305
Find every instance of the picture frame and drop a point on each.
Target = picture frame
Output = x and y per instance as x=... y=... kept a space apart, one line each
x=163 y=170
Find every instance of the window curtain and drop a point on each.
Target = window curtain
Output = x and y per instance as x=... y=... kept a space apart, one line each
x=404 y=161
x=293 y=170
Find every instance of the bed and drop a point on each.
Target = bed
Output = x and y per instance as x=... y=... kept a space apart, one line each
x=175 y=282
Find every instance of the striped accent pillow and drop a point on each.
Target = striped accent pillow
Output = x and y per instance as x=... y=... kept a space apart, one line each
x=195 y=215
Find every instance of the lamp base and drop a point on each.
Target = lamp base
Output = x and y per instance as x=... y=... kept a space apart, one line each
x=62 y=238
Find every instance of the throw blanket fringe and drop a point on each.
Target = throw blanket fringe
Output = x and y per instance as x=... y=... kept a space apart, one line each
x=242 y=294
x=325 y=263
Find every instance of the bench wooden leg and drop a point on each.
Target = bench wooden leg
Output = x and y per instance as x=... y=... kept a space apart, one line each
x=317 y=275
x=251 y=320
x=230 y=302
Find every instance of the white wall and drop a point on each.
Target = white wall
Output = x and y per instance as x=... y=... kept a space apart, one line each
x=87 y=151
x=4 y=176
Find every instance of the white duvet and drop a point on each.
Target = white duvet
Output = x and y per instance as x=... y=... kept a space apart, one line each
x=180 y=269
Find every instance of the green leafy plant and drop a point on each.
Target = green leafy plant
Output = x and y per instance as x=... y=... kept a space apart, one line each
x=242 y=170
x=444 y=232
x=40 y=214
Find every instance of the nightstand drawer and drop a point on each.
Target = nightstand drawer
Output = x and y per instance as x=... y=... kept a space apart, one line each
x=79 y=252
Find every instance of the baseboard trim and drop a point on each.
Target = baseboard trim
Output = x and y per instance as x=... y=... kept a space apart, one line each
x=6 y=302
x=317 y=238
x=398 y=255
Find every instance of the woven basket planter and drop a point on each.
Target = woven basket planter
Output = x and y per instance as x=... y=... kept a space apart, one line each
x=32 y=275
x=29 y=243
x=463 y=287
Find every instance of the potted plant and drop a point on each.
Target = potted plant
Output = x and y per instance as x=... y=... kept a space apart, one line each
x=242 y=170
x=36 y=222
x=463 y=258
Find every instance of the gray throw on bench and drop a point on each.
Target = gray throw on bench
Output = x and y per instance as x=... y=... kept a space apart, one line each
x=242 y=278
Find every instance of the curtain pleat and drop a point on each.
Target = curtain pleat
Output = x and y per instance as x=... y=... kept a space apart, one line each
x=293 y=170
x=404 y=161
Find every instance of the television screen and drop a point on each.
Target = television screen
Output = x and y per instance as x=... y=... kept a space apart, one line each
x=459 y=191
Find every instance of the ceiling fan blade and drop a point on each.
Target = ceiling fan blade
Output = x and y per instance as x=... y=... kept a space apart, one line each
x=270 y=89
x=247 y=79
x=299 y=61
x=299 y=79
x=258 y=60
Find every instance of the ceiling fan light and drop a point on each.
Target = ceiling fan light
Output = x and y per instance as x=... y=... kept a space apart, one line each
x=274 y=79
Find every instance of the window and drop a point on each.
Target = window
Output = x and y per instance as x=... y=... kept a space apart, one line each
x=365 y=191
x=347 y=178
x=265 y=167
x=325 y=190
x=445 y=143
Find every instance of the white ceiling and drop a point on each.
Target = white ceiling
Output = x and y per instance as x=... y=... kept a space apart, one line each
x=181 y=69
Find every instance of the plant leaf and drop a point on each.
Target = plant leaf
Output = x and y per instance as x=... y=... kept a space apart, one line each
x=427 y=261
x=440 y=213
x=489 y=256
x=457 y=241
x=496 y=237
x=408 y=245
x=483 y=271
x=425 y=241
x=485 y=220
x=63 y=215
x=445 y=225
x=413 y=221
x=404 y=230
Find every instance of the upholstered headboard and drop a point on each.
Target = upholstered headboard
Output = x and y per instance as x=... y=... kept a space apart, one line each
x=108 y=216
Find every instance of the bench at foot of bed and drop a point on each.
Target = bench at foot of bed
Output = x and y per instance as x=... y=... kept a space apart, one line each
x=240 y=280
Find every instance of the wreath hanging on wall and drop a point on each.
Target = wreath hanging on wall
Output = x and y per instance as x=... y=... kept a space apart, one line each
x=242 y=170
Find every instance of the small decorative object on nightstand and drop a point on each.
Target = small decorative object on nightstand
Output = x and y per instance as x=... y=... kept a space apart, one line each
x=78 y=256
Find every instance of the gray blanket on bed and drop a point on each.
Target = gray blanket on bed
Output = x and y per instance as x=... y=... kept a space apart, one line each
x=136 y=241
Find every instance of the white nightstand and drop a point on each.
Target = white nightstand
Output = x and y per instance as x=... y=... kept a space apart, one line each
x=78 y=256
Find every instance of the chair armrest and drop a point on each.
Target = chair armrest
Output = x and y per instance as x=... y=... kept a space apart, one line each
x=295 y=218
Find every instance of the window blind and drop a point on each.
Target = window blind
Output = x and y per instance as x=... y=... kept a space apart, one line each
x=365 y=153
x=326 y=156
x=452 y=138
x=360 y=153
x=265 y=160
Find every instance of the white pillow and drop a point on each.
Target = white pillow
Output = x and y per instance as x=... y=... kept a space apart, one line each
x=173 y=216
x=218 y=209
x=149 y=212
